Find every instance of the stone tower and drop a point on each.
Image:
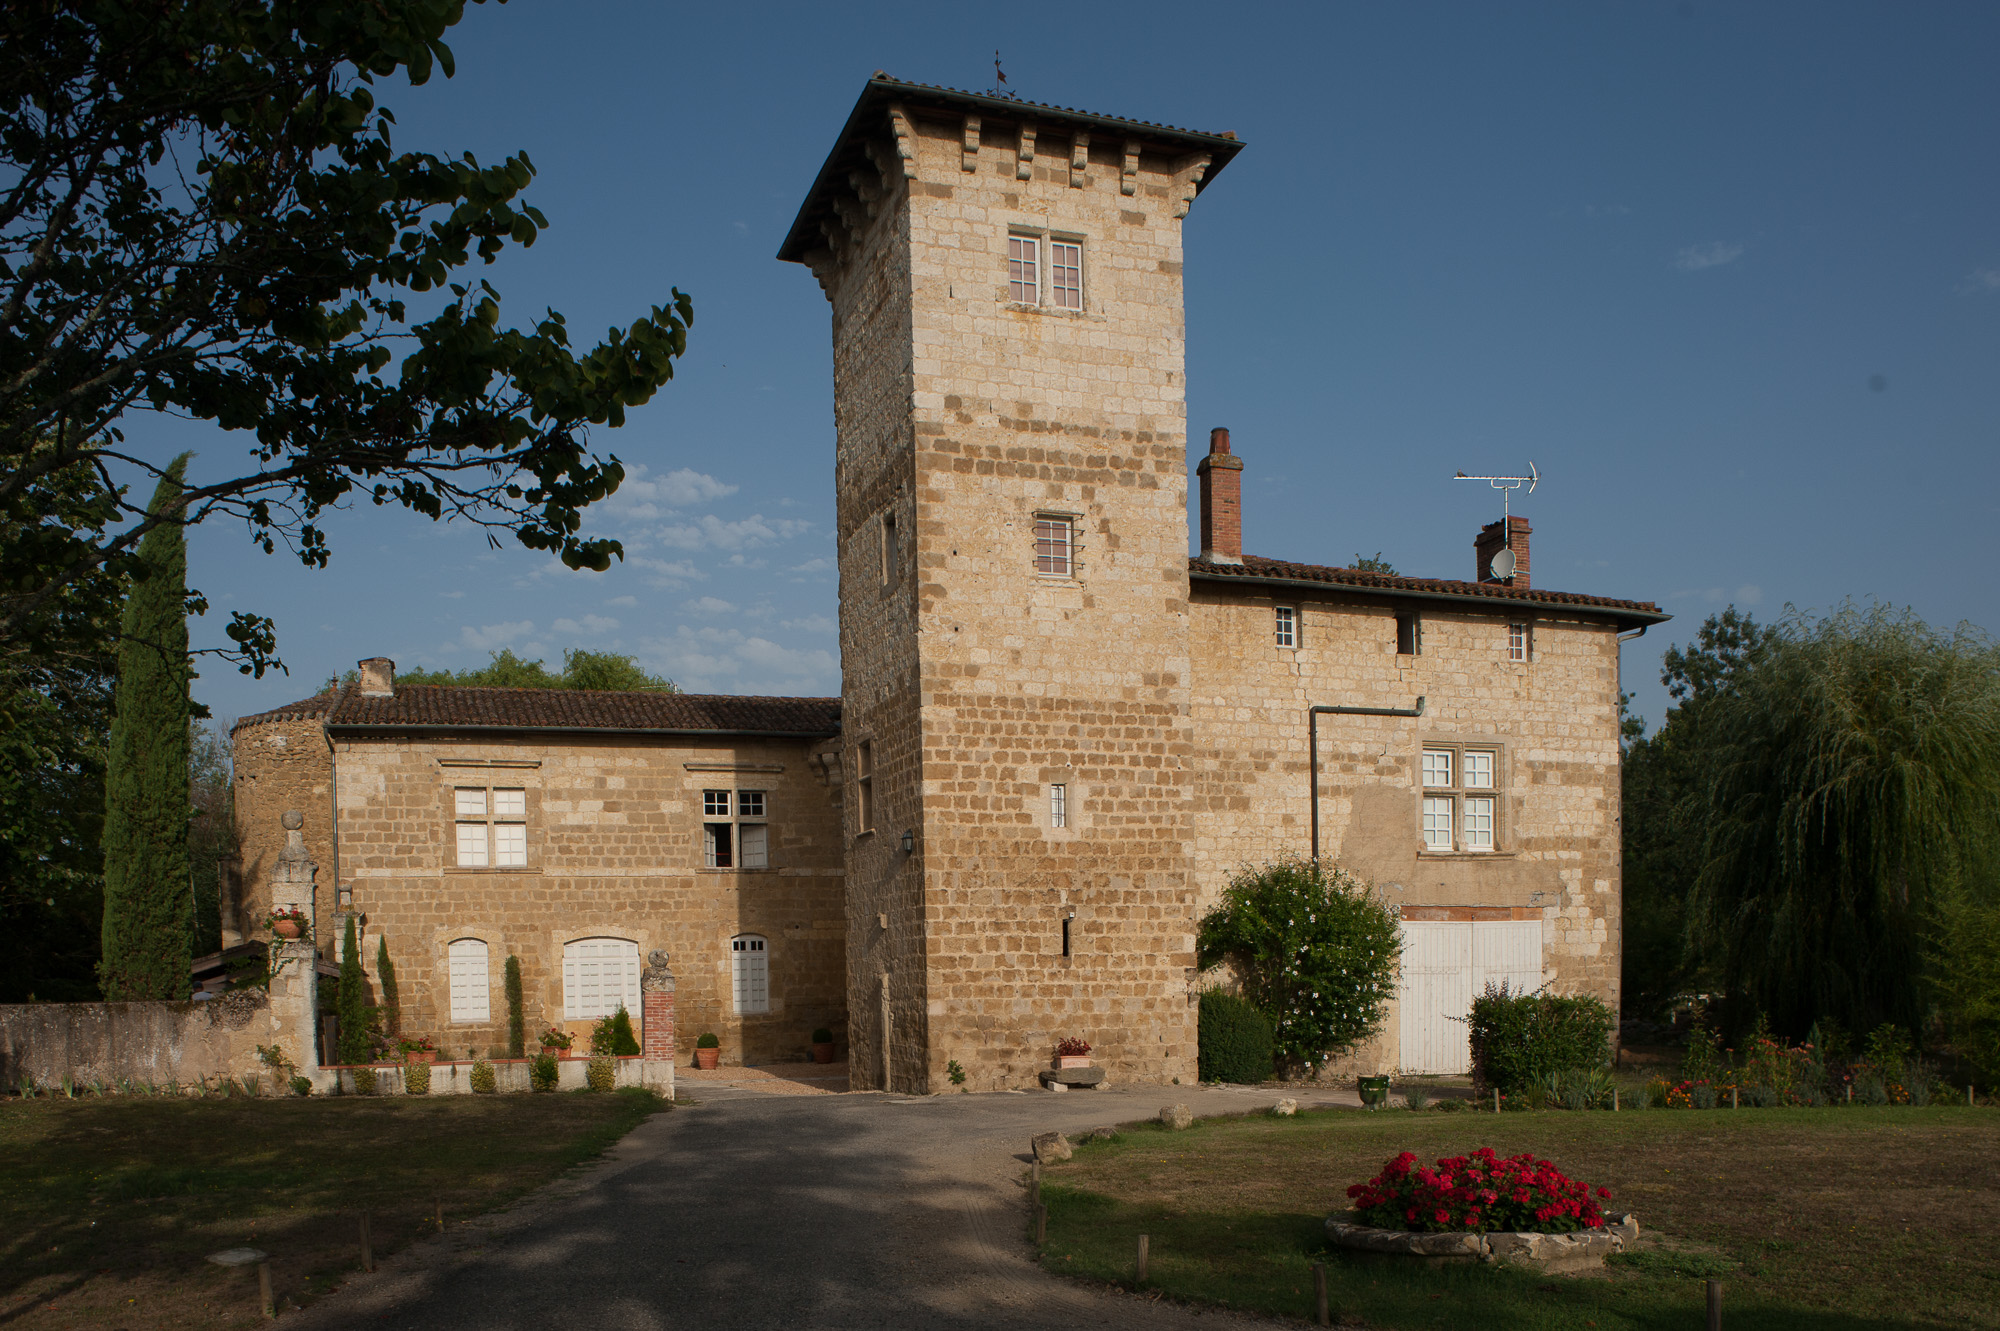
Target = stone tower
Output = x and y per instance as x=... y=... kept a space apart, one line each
x=1011 y=475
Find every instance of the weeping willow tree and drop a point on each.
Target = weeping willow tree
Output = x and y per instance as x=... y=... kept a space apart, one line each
x=1852 y=797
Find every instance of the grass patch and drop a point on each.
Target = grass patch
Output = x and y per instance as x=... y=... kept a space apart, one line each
x=108 y=1206
x=1812 y=1218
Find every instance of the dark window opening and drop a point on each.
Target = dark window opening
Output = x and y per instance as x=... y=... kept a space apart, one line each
x=1409 y=634
x=1065 y=936
x=720 y=844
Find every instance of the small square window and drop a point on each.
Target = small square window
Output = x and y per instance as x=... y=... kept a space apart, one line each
x=471 y=803
x=715 y=803
x=1437 y=767
x=750 y=803
x=1024 y=279
x=1058 y=806
x=472 y=845
x=510 y=845
x=1409 y=634
x=1055 y=546
x=1437 y=822
x=1065 y=275
x=1287 y=626
x=1478 y=769
x=1517 y=642
x=1479 y=822
x=510 y=804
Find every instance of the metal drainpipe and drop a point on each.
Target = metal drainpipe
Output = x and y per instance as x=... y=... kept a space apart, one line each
x=1313 y=715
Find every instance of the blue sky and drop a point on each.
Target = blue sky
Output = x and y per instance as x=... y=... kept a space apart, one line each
x=1728 y=274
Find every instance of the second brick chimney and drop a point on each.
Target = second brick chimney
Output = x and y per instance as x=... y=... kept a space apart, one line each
x=1221 y=501
x=378 y=677
x=1488 y=544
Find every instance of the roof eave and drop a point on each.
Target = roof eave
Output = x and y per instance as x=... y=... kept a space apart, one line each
x=1619 y=613
x=450 y=727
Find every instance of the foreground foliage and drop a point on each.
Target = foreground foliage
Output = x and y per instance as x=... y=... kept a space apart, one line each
x=1521 y=1039
x=1233 y=1041
x=1316 y=951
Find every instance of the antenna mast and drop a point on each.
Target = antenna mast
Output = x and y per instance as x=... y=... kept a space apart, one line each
x=1506 y=485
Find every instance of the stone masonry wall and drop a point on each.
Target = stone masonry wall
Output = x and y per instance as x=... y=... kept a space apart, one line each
x=1028 y=681
x=1553 y=721
x=282 y=763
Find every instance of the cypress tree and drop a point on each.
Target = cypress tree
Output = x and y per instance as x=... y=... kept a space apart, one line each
x=352 y=1000
x=148 y=884
x=517 y=1034
x=385 y=975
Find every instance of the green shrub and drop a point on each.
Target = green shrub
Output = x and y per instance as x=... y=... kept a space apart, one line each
x=624 y=1041
x=301 y=1085
x=517 y=1030
x=1703 y=1059
x=543 y=1072
x=352 y=1003
x=601 y=1074
x=821 y=1035
x=483 y=1080
x=708 y=1040
x=416 y=1079
x=1417 y=1097
x=1519 y=1040
x=1234 y=1040
x=954 y=1069
x=385 y=980
x=364 y=1080
x=1576 y=1088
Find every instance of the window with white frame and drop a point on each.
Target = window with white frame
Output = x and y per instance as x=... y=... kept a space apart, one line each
x=750 y=974
x=491 y=826
x=1460 y=804
x=470 y=980
x=1518 y=642
x=1055 y=545
x=1045 y=271
x=1287 y=631
x=1059 y=806
x=735 y=833
x=600 y=975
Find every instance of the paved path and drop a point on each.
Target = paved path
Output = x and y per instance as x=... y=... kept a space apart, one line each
x=755 y=1210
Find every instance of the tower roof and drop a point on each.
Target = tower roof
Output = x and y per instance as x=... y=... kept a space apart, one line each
x=870 y=117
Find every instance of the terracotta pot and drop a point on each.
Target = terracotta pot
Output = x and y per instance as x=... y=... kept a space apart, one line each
x=823 y=1053
x=1073 y=1060
x=287 y=928
x=706 y=1059
x=420 y=1055
x=555 y=1049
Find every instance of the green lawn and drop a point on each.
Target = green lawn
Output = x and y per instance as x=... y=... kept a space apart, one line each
x=108 y=1206
x=1832 y=1218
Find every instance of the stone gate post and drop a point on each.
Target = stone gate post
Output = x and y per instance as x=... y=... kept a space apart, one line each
x=656 y=1023
x=293 y=962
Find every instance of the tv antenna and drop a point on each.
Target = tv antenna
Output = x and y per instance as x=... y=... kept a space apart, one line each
x=1503 y=560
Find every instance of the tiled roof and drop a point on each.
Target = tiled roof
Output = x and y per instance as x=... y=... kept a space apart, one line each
x=446 y=707
x=1007 y=101
x=305 y=709
x=1255 y=568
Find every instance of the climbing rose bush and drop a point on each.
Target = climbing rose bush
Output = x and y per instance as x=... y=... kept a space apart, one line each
x=1519 y=1194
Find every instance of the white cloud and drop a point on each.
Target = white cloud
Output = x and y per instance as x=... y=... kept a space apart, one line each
x=666 y=572
x=1748 y=594
x=1983 y=282
x=709 y=532
x=810 y=570
x=708 y=605
x=1694 y=258
x=710 y=659
x=623 y=600
x=643 y=496
x=490 y=636
x=810 y=624
x=589 y=624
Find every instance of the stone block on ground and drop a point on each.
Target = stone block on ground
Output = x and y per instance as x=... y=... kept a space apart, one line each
x=1103 y=1134
x=1177 y=1117
x=1079 y=1077
x=1286 y=1107
x=1050 y=1147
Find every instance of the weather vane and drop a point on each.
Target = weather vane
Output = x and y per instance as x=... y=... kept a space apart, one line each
x=1000 y=88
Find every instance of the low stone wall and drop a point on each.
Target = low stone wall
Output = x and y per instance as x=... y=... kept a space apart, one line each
x=155 y=1043
x=510 y=1075
x=1552 y=1253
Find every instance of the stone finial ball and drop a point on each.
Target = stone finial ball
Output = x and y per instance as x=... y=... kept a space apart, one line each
x=293 y=820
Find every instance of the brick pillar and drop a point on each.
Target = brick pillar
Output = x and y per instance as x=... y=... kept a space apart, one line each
x=1487 y=544
x=1221 y=476
x=656 y=1023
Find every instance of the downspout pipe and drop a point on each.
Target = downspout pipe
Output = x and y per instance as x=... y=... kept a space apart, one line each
x=1313 y=714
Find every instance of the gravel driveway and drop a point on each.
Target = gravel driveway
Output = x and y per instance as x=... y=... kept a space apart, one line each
x=755 y=1210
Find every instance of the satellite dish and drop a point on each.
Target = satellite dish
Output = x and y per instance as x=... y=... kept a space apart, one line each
x=1503 y=565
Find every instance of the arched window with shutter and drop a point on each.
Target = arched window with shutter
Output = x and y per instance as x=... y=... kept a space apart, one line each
x=750 y=973
x=471 y=984
x=600 y=975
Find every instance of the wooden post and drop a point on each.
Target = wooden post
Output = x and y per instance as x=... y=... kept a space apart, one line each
x=1142 y=1260
x=440 y=1215
x=1733 y=1102
x=1496 y=1099
x=1614 y=1099
x=1715 y=1305
x=264 y=1289
x=1319 y=1294
x=1850 y=1092
x=1041 y=1224
x=367 y=1245
x=1968 y=1095
x=1035 y=1184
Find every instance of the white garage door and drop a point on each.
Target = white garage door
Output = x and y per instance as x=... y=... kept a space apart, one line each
x=1446 y=963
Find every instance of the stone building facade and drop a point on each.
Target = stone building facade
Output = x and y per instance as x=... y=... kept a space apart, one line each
x=1059 y=733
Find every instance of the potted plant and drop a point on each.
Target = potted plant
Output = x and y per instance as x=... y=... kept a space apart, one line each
x=555 y=1041
x=420 y=1050
x=707 y=1051
x=1374 y=1090
x=1072 y=1052
x=289 y=922
x=822 y=1043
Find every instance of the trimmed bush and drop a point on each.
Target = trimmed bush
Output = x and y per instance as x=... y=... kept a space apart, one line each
x=517 y=1031
x=1234 y=1040
x=542 y=1073
x=821 y=1035
x=1520 y=1040
x=483 y=1080
x=601 y=1074
x=364 y=1080
x=416 y=1079
x=624 y=1041
x=708 y=1040
x=385 y=979
x=301 y=1085
x=352 y=1002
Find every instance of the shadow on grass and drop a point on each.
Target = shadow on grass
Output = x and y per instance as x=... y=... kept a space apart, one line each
x=1262 y=1262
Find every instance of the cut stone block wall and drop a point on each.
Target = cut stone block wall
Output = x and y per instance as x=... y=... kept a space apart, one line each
x=155 y=1043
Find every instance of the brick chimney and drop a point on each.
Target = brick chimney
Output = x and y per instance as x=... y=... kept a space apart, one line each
x=378 y=677
x=1221 y=501
x=1488 y=543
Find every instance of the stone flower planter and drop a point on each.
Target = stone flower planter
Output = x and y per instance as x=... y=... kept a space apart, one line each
x=1072 y=1060
x=287 y=929
x=1553 y=1254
